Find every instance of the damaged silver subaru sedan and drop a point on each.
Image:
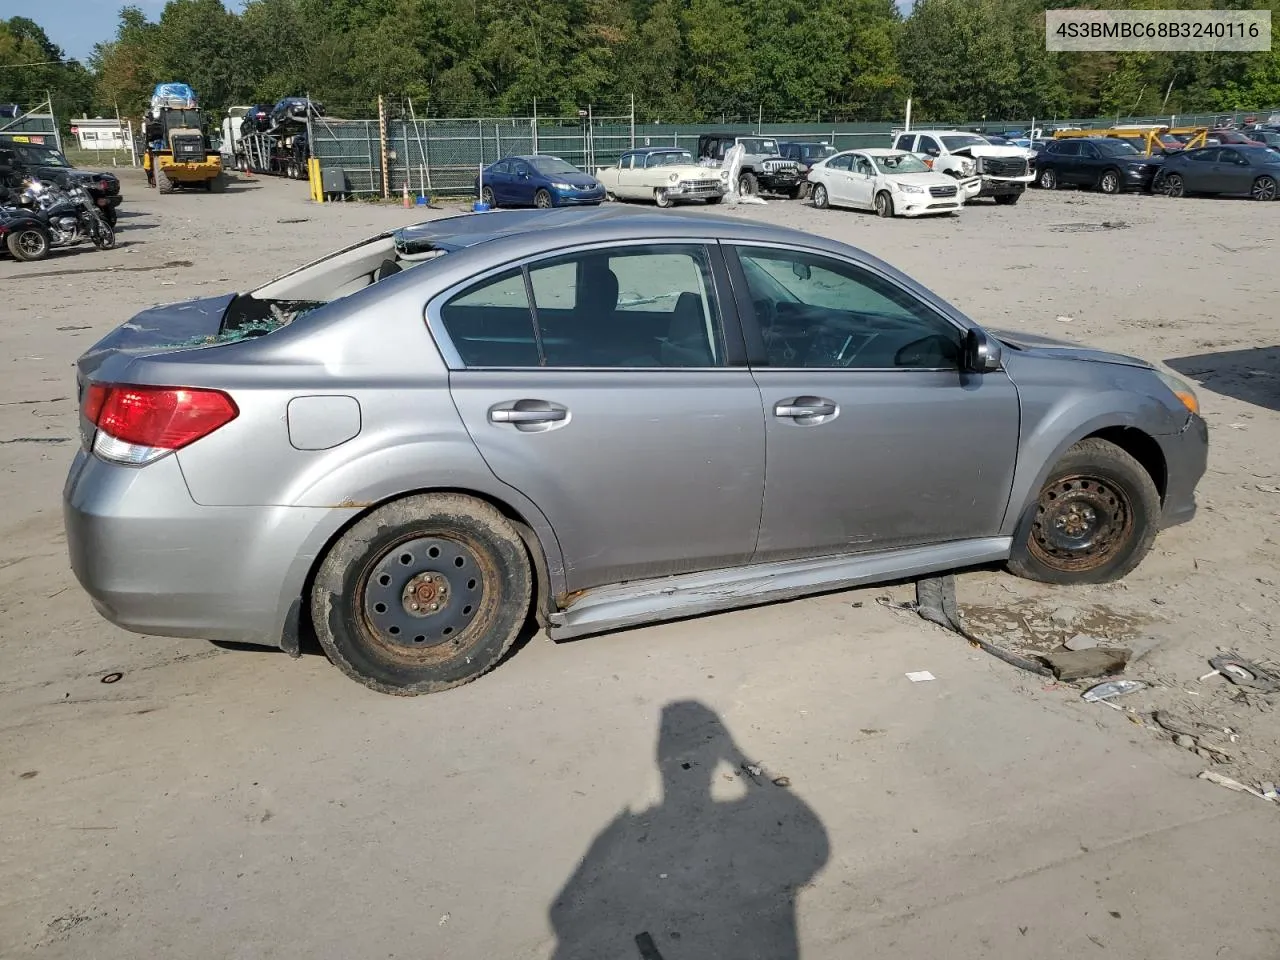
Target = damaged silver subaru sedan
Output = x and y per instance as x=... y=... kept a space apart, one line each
x=591 y=419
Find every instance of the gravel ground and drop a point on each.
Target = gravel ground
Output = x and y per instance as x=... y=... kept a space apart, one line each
x=220 y=802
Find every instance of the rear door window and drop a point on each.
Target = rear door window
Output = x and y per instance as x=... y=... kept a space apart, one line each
x=491 y=325
x=905 y=141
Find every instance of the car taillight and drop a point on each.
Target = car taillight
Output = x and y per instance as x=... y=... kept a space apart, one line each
x=136 y=424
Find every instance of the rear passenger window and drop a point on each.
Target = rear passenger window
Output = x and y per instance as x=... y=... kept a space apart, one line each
x=491 y=325
x=904 y=141
x=632 y=307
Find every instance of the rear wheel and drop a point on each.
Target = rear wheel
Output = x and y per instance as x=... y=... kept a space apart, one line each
x=423 y=594
x=163 y=183
x=884 y=204
x=28 y=243
x=661 y=197
x=104 y=237
x=1264 y=188
x=542 y=200
x=1109 y=182
x=820 y=198
x=218 y=184
x=1094 y=520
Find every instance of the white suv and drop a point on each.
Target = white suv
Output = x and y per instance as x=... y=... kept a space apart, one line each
x=987 y=170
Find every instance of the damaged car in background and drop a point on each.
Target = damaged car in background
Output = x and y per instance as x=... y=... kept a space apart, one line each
x=590 y=419
x=985 y=169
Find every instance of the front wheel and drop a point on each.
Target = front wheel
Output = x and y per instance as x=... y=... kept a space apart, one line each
x=1174 y=185
x=1109 y=182
x=542 y=200
x=1048 y=179
x=884 y=205
x=1264 y=188
x=28 y=244
x=748 y=185
x=422 y=594
x=1007 y=199
x=1094 y=520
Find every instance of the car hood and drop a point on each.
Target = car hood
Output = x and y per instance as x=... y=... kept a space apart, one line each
x=921 y=179
x=1038 y=346
x=687 y=171
x=991 y=150
x=584 y=180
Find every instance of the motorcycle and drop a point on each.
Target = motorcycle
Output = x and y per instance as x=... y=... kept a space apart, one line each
x=70 y=213
x=24 y=233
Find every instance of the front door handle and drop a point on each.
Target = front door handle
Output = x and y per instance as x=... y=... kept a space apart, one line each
x=805 y=408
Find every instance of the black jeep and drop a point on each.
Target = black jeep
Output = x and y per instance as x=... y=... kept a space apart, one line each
x=36 y=155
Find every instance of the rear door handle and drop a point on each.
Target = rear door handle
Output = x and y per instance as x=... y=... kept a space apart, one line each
x=799 y=408
x=528 y=412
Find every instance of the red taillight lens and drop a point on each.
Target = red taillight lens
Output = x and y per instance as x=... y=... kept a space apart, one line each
x=164 y=418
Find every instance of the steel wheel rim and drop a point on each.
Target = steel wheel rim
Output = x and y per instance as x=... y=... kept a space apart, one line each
x=1081 y=523
x=31 y=242
x=1264 y=189
x=395 y=597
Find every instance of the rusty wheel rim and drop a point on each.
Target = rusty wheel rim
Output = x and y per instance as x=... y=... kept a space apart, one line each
x=425 y=598
x=1081 y=523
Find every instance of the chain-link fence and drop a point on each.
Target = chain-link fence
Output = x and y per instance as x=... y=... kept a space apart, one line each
x=443 y=156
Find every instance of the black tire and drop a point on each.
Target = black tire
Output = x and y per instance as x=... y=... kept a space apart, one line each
x=218 y=184
x=1264 y=189
x=104 y=237
x=457 y=643
x=712 y=201
x=110 y=215
x=28 y=244
x=662 y=198
x=163 y=183
x=1007 y=199
x=486 y=196
x=1110 y=181
x=1048 y=179
x=821 y=199
x=748 y=185
x=884 y=204
x=542 y=200
x=1109 y=498
x=1174 y=186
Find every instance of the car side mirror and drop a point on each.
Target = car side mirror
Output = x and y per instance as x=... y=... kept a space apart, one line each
x=981 y=353
x=801 y=270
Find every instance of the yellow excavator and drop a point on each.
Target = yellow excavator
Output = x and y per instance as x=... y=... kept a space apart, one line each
x=177 y=151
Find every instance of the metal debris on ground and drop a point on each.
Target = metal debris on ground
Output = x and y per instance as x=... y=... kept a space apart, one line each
x=1110 y=689
x=936 y=602
x=1243 y=673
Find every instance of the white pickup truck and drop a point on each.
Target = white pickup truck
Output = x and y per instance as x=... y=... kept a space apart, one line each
x=984 y=169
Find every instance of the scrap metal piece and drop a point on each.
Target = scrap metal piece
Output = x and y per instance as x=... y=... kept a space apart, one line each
x=1244 y=673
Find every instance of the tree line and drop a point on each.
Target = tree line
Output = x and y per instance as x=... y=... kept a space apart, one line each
x=681 y=60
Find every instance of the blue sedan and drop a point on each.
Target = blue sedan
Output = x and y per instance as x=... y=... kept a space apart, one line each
x=537 y=181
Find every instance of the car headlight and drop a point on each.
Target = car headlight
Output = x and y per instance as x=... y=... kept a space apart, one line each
x=909 y=188
x=1181 y=389
x=563 y=186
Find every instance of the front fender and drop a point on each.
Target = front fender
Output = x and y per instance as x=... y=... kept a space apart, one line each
x=1054 y=420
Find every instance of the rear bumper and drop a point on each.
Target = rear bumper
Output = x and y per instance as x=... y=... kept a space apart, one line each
x=1186 y=456
x=153 y=561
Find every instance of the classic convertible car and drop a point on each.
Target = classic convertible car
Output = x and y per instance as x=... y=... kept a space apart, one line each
x=665 y=175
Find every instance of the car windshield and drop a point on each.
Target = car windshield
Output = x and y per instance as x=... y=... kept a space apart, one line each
x=960 y=141
x=758 y=145
x=817 y=151
x=36 y=156
x=900 y=163
x=1116 y=148
x=551 y=165
x=669 y=158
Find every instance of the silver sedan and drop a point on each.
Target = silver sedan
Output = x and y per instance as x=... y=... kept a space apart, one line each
x=421 y=444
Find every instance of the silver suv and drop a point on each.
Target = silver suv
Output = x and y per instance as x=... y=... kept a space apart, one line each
x=595 y=419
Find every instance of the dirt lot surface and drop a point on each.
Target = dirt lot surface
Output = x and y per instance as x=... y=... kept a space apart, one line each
x=770 y=775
